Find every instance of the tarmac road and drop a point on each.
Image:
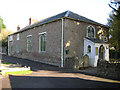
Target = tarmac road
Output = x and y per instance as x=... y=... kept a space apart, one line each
x=53 y=79
x=47 y=76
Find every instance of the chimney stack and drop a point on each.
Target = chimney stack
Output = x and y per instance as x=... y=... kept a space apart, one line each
x=30 y=21
x=18 y=28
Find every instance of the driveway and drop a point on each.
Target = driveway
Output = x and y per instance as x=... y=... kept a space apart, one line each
x=48 y=76
x=25 y=62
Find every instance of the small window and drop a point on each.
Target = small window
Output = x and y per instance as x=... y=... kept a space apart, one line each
x=90 y=32
x=89 y=49
x=67 y=51
x=105 y=39
x=96 y=50
x=42 y=43
x=29 y=43
x=18 y=36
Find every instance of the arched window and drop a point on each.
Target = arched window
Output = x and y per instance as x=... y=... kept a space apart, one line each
x=90 y=32
x=89 y=49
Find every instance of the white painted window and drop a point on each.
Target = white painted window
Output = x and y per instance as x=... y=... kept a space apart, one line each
x=90 y=32
x=42 y=42
x=10 y=38
x=29 y=43
x=18 y=36
x=42 y=33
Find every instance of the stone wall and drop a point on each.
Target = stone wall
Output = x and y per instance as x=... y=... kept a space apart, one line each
x=52 y=55
x=109 y=69
x=77 y=63
x=71 y=63
x=74 y=34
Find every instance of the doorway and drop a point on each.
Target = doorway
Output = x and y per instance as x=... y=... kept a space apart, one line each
x=102 y=53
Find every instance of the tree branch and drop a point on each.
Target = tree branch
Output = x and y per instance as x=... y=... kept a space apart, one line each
x=113 y=8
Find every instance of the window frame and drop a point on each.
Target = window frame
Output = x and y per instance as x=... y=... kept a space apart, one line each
x=41 y=35
x=89 y=49
x=90 y=32
x=18 y=36
x=30 y=43
x=11 y=38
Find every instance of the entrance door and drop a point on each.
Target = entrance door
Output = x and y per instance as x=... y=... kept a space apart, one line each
x=102 y=53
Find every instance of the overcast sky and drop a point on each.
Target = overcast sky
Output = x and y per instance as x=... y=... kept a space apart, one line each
x=18 y=12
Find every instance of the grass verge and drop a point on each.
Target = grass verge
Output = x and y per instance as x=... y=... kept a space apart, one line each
x=18 y=72
x=6 y=63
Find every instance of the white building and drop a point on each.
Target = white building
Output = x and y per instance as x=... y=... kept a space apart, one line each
x=96 y=49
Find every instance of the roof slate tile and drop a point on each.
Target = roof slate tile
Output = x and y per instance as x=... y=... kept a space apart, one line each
x=66 y=14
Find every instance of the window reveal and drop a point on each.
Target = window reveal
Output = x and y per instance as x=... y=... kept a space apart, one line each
x=89 y=49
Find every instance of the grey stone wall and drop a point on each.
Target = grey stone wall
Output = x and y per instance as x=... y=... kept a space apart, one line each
x=53 y=44
x=74 y=34
x=71 y=63
x=109 y=69
x=76 y=63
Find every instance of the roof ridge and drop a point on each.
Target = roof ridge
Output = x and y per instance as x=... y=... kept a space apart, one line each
x=67 y=13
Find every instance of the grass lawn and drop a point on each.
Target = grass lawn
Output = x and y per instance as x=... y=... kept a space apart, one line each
x=6 y=63
x=18 y=72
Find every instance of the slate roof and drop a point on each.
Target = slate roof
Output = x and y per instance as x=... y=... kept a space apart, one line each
x=66 y=14
x=96 y=40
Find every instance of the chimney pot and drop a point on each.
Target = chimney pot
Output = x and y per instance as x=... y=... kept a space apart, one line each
x=18 y=28
x=30 y=21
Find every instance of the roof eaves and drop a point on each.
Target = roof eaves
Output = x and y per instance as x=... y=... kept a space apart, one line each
x=50 y=19
x=96 y=40
x=87 y=22
x=78 y=17
x=22 y=30
x=88 y=40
